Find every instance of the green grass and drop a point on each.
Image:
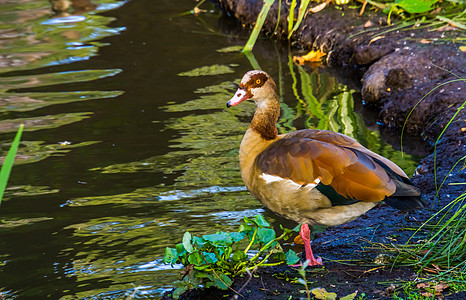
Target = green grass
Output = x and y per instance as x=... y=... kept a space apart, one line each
x=258 y=27
x=440 y=253
x=444 y=245
x=8 y=162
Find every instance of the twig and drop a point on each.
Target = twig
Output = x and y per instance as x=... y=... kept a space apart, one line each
x=363 y=8
x=451 y=22
x=234 y=297
x=263 y=285
x=376 y=4
x=373 y=269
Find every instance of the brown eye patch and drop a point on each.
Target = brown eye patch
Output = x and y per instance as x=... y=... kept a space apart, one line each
x=257 y=80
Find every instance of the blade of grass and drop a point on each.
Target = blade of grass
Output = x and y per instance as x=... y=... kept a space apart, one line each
x=286 y=120
x=302 y=12
x=8 y=163
x=437 y=141
x=259 y=23
x=412 y=110
x=278 y=15
x=252 y=60
x=291 y=17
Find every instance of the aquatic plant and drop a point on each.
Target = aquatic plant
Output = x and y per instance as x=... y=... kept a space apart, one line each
x=8 y=162
x=214 y=260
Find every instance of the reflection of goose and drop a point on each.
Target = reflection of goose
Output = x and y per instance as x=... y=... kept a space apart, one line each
x=313 y=176
x=61 y=7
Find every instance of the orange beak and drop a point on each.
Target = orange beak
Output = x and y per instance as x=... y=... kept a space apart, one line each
x=240 y=95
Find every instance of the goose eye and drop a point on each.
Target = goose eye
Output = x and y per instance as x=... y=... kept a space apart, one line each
x=258 y=81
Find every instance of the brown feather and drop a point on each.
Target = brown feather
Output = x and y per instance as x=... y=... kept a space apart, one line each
x=335 y=159
x=344 y=141
x=264 y=122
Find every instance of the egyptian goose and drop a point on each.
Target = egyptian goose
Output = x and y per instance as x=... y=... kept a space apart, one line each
x=313 y=176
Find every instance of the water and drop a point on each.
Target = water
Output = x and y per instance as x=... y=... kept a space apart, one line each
x=128 y=143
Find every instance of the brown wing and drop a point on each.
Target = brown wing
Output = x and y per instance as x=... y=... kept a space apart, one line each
x=344 y=141
x=333 y=158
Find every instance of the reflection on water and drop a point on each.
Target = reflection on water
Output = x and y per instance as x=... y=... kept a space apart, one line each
x=31 y=39
x=31 y=101
x=90 y=219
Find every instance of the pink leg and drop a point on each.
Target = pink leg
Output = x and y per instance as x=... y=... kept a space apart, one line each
x=306 y=236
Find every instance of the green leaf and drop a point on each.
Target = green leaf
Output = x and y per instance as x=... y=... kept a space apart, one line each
x=239 y=256
x=221 y=281
x=198 y=241
x=247 y=220
x=170 y=257
x=280 y=256
x=221 y=250
x=227 y=253
x=8 y=162
x=210 y=257
x=291 y=257
x=179 y=290
x=187 y=242
x=276 y=248
x=236 y=236
x=244 y=227
x=265 y=235
x=218 y=239
x=321 y=293
x=416 y=6
x=350 y=296
x=196 y=259
x=204 y=274
x=193 y=279
x=289 y=232
x=297 y=228
x=260 y=221
x=180 y=249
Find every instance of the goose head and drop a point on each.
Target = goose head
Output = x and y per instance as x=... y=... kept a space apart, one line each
x=255 y=85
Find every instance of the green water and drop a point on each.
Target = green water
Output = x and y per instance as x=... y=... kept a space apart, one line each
x=138 y=89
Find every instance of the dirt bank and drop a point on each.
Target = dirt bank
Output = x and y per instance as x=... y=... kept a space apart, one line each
x=398 y=67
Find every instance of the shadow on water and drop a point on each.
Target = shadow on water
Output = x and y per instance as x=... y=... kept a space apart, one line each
x=127 y=143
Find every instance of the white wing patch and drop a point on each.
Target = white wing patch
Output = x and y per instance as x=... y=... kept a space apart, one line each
x=273 y=178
